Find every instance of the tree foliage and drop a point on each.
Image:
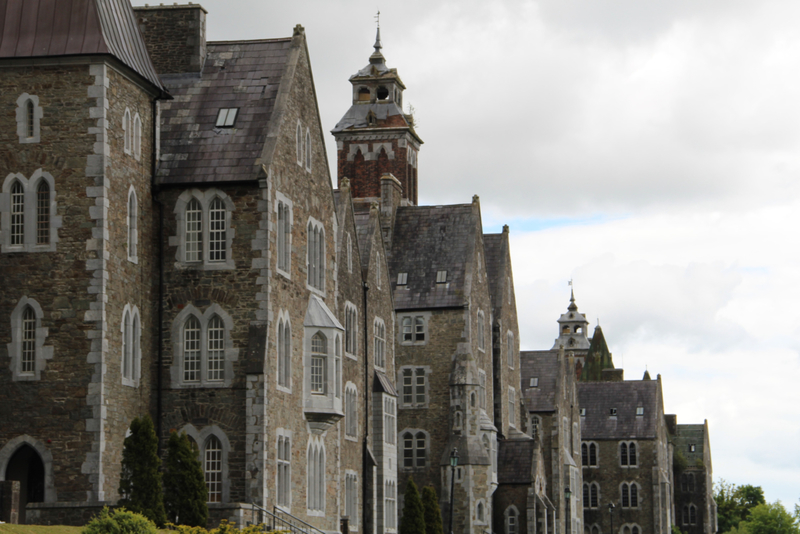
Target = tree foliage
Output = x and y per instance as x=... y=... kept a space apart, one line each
x=769 y=519
x=413 y=520
x=433 y=515
x=119 y=521
x=140 y=481
x=185 y=492
x=735 y=502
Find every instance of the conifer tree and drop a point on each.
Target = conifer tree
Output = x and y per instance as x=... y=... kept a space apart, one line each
x=433 y=515
x=140 y=481
x=413 y=520
x=185 y=492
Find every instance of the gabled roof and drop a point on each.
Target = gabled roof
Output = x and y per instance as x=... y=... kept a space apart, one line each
x=514 y=461
x=237 y=74
x=365 y=226
x=428 y=239
x=598 y=398
x=541 y=364
x=48 y=28
x=319 y=315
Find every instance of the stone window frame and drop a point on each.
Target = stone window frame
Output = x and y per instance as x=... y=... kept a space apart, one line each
x=588 y=488
x=22 y=118
x=349 y=253
x=389 y=505
x=351 y=411
x=131 y=338
x=414 y=404
x=625 y=445
x=299 y=148
x=689 y=515
x=481 y=319
x=379 y=343
x=230 y=352
x=630 y=528
x=316 y=264
x=13 y=445
x=482 y=384
x=389 y=420
x=283 y=463
x=30 y=213
x=283 y=352
x=315 y=475
x=127 y=131
x=378 y=271
x=42 y=352
x=136 y=140
x=351 y=330
x=401 y=334
x=480 y=512
x=133 y=225
x=510 y=348
x=307 y=151
x=351 y=498
x=589 y=445
x=414 y=434
x=283 y=234
x=628 y=487
x=512 y=405
x=536 y=424
x=204 y=198
x=201 y=438
x=511 y=512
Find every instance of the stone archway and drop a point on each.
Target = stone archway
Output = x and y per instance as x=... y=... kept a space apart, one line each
x=26 y=466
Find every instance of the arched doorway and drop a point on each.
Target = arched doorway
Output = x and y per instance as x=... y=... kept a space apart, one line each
x=27 y=467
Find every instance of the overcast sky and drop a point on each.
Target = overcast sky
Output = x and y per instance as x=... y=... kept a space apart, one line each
x=646 y=150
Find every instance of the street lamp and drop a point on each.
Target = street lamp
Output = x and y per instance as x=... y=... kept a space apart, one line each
x=611 y=515
x=568 y=496
x=453 y=464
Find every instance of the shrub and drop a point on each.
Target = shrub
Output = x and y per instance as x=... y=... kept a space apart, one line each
x=140 y=481
x=119 y=521
x=185 y=491
x=413 y=520
x=433 y=515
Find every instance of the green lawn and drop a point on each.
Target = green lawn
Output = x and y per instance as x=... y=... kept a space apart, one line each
x=37 y=529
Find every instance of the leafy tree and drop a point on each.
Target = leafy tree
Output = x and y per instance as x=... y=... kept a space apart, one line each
x=735 y=502
x=185 y=492
x=770 y=519
x=676 y=530
x=119 y=521
x=140 y=481
x=413 y=520
x=433 y=515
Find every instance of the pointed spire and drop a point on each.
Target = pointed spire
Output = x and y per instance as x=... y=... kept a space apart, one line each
x=377 y=58
x=572 y=306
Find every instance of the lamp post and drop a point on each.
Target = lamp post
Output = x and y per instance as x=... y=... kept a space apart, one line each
x=611 y=515
x=568 y=496
x=453 y=465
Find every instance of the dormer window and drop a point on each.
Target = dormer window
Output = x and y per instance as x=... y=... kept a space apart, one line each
x=612 y=412
x=583 y=412
x=371 y=119
x=363 y=95
x=402 y=279
x=227 y=117
x=640 y=410
x=535 y=382
x=441 y=277
x=382 y=93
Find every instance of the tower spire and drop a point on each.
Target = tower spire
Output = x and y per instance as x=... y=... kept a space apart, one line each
x=377 y=58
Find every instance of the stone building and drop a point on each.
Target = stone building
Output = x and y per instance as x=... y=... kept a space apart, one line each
x=695 y=507
x=172 y=245
x=456 y=340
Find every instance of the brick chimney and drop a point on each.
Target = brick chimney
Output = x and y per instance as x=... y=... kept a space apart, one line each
x=175 y=36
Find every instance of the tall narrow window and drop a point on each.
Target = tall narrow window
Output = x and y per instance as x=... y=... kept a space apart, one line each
x=43 y=214
x=216 y=350
x=634 y=496
x=191 y=350
x=213 y=468
x=389 y=420
x=127 y=346
x=308 y=150
x=623 y=454
x=625 y=496
x=512 y=407
x=194 y=231
x=511 y=520
x=390 y=508
x=350 y=329
x=319 y=351
x=481 y=327
x=299 y=143
x=584 y=456
x=632 y=454
x=133 y=229
x=510 y=349
x=380 y=343
x=217 y=215
x=284 y=354
x=127 y=131
x=593 y=454
x=17 y=214
x=337 y=366
x=351 y=411
x=137 y=137
x=692 y=515
x=28 y=342
x=30 y=119
x=593 y=502
x=284 y=471
x=283 y=236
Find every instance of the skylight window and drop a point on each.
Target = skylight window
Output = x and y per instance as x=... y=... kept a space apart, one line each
x=613 y=412
x=640 y=410
x=226 y=117
x=441 y=277
x=534 y=382
x=402 y=279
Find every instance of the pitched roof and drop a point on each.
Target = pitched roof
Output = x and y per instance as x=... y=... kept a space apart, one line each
x=598 y=398
x=364 y=228
x=47 y=28
x=514 y=459
x=428 y=239
x=541 y=364
x=237 y=74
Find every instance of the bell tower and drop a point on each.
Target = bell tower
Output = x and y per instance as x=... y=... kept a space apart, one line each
x=375 y=137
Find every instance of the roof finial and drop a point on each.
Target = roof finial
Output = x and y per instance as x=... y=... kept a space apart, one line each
x=572 y=306
x=376 y=59
x=377 y=44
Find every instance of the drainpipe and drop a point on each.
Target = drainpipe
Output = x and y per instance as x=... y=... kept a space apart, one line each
x=160 y=314
x=364 y=456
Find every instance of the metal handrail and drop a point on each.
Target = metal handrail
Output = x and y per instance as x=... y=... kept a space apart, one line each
x=310 y=529
x=275 y=521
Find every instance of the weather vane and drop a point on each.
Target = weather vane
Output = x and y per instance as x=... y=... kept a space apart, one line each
x=570 y=282
x=378 y=19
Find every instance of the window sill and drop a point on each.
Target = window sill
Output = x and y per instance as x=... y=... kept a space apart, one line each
x=351 y=438
x=133 y=259
x=412 y=343
x=351 y=356
x=284 y=389
x=283 y=273
x=205 y=266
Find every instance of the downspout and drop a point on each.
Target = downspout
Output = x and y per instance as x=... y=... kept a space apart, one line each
x=365 y=455
x=160 y=314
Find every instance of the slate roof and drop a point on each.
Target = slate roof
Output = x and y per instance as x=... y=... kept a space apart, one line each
x=364 y=235
x=514 y=459
x=237 y=74
x=382 y=384
x=46 y=28
x=428 y=239
x=541 y=364
x=495 y=252
x=598 y=398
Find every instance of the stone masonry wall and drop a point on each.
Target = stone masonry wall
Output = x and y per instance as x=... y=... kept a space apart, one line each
x=175 y=37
